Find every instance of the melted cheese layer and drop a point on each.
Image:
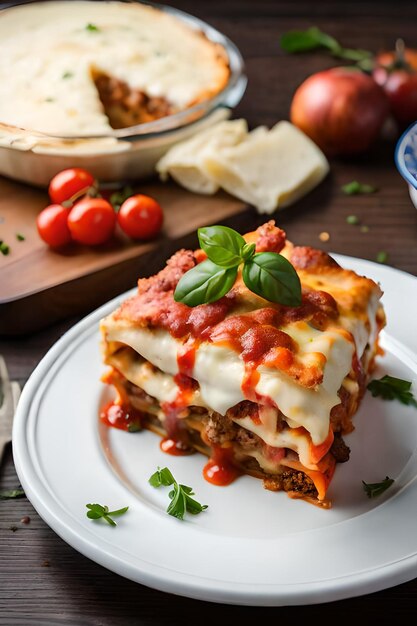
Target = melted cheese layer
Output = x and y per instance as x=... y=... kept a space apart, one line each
x=163 y=387
x=220 y=372
x=48 y=50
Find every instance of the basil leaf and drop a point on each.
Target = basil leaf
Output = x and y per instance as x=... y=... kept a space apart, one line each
x=222 y=245
x=310 y=39
x=272 y=277
x=205 y=283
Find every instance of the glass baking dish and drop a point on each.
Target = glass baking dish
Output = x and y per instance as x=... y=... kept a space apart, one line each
x=123 y=154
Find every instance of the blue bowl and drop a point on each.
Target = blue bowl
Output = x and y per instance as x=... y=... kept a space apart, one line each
x=406 y=159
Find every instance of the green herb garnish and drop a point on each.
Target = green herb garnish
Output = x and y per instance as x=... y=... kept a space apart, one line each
x=181 y=500
x=373 y=490
x=352 y=219
x=118 y=197
x=354 y=188
x=49 y=99
x=92 y=28
x=97 y=511
x=382 y=257
x=391 y=388
x=4 y=248
x=267 y=274
x=314 y=39
x=66 y=75
x=10 y=494
x=20 y=237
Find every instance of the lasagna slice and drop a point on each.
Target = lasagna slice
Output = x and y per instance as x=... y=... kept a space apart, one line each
x=260 y=388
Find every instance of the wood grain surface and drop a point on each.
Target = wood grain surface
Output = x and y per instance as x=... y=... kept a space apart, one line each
x=42 y=579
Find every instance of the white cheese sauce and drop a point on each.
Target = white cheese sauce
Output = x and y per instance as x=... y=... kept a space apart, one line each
x=220 y=372
x=49 y=49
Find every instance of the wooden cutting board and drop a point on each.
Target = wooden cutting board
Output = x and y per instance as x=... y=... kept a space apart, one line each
x=39 y=286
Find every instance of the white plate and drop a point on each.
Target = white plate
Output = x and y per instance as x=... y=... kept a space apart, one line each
x=251 y=546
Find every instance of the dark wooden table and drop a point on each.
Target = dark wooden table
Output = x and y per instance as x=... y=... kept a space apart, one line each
x=42 y=579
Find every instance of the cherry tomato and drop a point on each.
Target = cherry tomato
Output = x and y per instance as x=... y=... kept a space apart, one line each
x=52 y=225
x=396 y=72
x=140 y=217
x=69 y=183
x=390 y=58
x=92 y=221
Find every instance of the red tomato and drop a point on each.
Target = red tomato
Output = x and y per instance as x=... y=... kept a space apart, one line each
x=390 y=57
x=52 y=225
x=69 y=183
x=396 y=72
x=342 y=110
x=92 y=221
x=140 y=217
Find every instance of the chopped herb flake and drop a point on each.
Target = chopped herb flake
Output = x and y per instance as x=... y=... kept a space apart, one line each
x=373 y=490
x=4 y=248
x=20 y=237
x=92 y=28
x=382 y=257
x=67 y=75
x=10 y=494
x=352 y=219
x=354 y=188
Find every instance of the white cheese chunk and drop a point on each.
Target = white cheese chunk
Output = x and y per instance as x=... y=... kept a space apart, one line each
x=268 y=169
x=185 y=162
x=274 y=171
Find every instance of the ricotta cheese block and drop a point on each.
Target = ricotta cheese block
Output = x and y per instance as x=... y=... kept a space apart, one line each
x=186 y=162
x=81 y=68
x=268 y=169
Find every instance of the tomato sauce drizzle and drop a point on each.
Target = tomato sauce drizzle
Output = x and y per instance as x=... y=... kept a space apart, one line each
x=121 y=416
x=177 y=442
x=219 y=470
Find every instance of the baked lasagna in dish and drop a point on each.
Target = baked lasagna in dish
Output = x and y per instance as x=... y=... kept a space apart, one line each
x=260 y=388
x=80 y=68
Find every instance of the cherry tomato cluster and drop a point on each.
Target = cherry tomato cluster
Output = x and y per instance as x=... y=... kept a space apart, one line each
x=78 y=213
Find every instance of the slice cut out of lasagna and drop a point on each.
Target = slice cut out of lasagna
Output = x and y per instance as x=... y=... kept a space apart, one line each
x=260 y=388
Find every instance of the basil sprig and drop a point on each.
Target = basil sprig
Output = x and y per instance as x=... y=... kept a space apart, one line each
x=267 y=274
x=313 y=39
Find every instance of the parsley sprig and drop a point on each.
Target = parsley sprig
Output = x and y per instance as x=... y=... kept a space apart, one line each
x=181 y=500
x=98 y=511
x=267 y=274
x=391 y=388
x=373 y=490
